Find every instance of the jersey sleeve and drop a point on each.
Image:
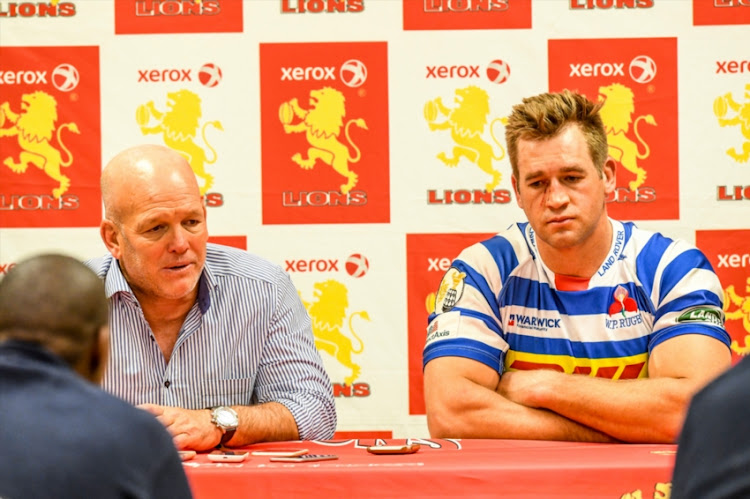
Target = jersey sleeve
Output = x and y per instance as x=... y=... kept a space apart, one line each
x=465 y=321
x=686 y=291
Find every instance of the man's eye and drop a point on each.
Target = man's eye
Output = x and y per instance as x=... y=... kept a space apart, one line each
x=155 y=228
x=192 y=223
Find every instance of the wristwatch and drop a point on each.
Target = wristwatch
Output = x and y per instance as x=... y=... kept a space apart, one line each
x=226 y=419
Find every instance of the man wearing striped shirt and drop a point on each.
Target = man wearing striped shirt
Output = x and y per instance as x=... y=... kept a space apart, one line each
x=214 y=341
x=571 y=326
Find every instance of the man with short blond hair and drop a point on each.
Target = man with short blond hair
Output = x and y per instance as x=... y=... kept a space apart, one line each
x=573 y=325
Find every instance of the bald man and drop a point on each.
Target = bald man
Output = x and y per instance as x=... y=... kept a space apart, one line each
x=212 y=340
x=60 y=435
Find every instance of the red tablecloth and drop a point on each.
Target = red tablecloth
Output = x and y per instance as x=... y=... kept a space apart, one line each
x=445 y=468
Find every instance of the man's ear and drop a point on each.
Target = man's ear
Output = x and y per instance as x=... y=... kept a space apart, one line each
x=110 y=234
x=514 y=183
x=609 y=170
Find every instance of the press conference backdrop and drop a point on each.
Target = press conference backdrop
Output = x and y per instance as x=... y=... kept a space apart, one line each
x=360 y=144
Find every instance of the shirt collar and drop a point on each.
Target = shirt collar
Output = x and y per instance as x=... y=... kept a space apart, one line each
x=115 y=282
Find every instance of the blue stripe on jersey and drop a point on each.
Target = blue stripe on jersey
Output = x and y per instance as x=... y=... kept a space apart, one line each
x=478 y=281
x=532 y=294
x=583 y=350
x=502 y=254
x=703 y=296
x=648 y=260
x=688 y=328
x=679 y=267
x=463 y=347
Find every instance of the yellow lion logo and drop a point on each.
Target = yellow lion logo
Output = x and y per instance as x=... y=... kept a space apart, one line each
x=328 y=311
x=34 y=127
x=741 y=312
x=617 y=114
x=322 y=127
x=741 y=118
x=467 y=122
x=179 y=126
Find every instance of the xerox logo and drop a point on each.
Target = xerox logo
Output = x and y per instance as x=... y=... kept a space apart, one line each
x=642 y=69
x=356 y=265
x=733 y=67
x=154 y=8
x=28 y=9
x=497 y=71
x=316 y=6
x=731 y=3
x=64 y=77
x=465 y=5
x=611 y=4
x=5 y=267
x=209 y=75
x=353 y=73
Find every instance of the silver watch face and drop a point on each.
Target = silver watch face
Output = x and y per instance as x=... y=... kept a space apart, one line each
x=225 y=417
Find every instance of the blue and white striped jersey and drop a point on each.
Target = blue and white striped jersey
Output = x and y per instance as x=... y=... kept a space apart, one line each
x=500 y=305
x=247 y=340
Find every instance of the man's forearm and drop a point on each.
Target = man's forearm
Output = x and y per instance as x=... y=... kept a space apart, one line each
x=267 y=422
x=642 y=410
x=481 y=413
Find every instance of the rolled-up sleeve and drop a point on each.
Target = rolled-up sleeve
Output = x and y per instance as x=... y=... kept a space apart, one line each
x=291 y=370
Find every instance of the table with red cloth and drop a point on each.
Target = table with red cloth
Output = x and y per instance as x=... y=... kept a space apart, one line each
x=445 y=468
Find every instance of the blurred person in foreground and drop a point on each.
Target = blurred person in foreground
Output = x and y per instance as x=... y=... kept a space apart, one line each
x=573 y=325
x=60 y=434
x=212 y=340
x=713 y=452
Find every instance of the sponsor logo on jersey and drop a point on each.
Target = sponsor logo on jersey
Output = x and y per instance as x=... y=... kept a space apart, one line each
x=49 y=137
x=631 y=367
x=324 y=133
x=702 y=314
x=718 y=12
x=55 y=8
x=636 y=79
x=450 y=291
x=178 y=16
x=466 y=14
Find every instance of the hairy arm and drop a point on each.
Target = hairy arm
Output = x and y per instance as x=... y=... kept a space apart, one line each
x=193 y=429
x=461 y=402
x=643 y=410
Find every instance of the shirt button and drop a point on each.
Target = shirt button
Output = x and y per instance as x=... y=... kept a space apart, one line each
x=167 y=383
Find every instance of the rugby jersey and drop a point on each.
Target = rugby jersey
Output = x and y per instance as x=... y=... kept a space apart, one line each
x=500 y=305
x=247 y=340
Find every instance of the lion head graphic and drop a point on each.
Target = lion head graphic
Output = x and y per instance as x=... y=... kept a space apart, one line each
x=178 y=126
x=328 y=311
x=322 y=125
x=741 y=118
x=617 y=115
x=467 y=122
x=34 y=127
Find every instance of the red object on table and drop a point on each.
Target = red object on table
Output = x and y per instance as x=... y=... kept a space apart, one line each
x=470 y=468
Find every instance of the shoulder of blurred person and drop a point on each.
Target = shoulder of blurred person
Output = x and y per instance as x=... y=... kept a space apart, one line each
x=713 y=453
x=60 y=434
